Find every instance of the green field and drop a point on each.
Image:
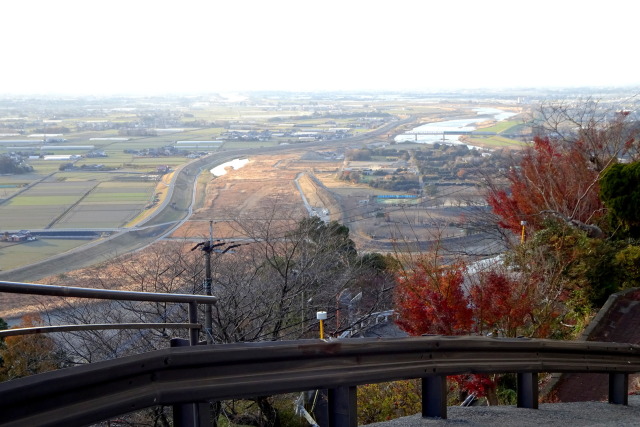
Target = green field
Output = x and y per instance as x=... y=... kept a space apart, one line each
x=43 y=167
x=153 y=162
x=124 y=192
x=52 y=200
x=69 y=203
x=13 y=255
x=506 y=126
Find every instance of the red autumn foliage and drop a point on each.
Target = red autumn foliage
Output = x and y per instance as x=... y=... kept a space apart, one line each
x=551 y=177
x=501 y=303
x=479 y=384
x=430 y=300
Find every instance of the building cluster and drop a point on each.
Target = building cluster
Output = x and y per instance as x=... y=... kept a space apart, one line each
x=21 y=236
x=166 y=151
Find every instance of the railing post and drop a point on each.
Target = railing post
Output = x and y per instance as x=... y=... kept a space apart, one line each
x=434 y=397
x=190 y=414
x=618 y=388
x=193 y=318
x=343 y=408
x=527 y=385
x=321 y=407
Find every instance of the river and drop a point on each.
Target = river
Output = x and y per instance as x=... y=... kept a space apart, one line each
x=452 y=126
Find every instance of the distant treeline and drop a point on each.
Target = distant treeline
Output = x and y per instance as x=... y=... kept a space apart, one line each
x=10 y=165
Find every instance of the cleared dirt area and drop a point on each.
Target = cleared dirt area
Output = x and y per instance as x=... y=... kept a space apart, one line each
x=252 y=192
x=266 y=187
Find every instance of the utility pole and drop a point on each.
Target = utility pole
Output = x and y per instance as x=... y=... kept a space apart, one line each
x=208 y=247
x=208 y=315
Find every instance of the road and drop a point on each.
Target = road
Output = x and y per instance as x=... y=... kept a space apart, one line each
x=323 y=214
x=175 y=210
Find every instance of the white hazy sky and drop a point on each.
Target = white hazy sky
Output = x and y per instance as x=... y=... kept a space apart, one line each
x=140 y=46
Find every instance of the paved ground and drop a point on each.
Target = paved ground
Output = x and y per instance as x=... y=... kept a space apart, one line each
x=552 y=414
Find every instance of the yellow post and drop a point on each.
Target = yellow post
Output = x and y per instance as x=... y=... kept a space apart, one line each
x=321 y=316
x=522 y=223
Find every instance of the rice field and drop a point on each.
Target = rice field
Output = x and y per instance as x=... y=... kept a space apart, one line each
x=76 y=204
x=13 y=255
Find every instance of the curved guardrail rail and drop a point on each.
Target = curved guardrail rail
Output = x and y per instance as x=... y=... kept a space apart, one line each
x=90 y=393
x=108 y=294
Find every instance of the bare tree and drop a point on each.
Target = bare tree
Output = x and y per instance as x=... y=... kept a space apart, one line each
x=293 y=272
x=605 y=131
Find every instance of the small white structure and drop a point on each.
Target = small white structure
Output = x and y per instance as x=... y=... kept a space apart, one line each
x=59 y=157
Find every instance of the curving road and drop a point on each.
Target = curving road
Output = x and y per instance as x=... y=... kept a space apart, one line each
x=175 y=210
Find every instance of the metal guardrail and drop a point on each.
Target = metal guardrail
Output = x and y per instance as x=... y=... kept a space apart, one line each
x=107 y=294
x=77 y=292
x=94 y=327
x=90 y=393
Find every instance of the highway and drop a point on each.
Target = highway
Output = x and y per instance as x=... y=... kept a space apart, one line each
x=174 y=211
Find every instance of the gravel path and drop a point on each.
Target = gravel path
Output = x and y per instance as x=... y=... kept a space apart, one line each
x=556 y=414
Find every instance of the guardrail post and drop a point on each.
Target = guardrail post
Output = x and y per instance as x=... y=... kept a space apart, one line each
x=434 y=397
x=190 y=414
x=618 y=388
x=193 y=318
x=343 y=408
x=527 y=385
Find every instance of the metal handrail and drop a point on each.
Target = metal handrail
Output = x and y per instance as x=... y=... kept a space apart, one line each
x=90 y=393
x=108 y=294
x=94 y=327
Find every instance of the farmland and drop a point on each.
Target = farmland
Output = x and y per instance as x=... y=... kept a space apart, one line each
x=12 y=255
x=117 y=166
x=76 y=204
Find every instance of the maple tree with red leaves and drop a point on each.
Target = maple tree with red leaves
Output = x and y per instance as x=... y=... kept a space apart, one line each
x=502 y=304
x=438 y=299
x=558 y=176
x=550 y=180
x=432 y=298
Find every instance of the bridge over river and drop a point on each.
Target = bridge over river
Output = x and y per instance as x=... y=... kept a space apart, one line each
x=450 y=132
